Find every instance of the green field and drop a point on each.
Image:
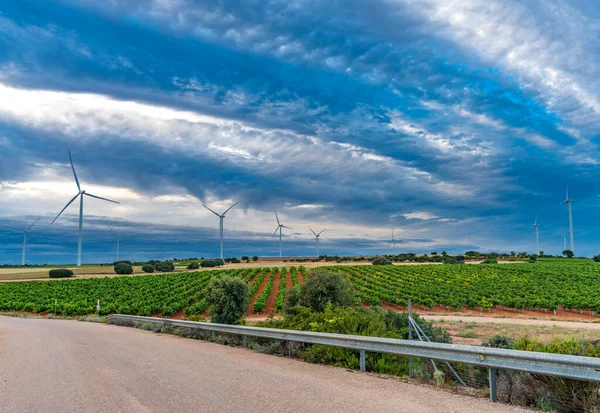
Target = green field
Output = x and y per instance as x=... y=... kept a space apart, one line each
x=544 y=285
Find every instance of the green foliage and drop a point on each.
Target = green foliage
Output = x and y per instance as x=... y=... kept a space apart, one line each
x=381 y=261
x=597 y=258
x=568 y=253
x=148 y=268
x=499 y=341
x=255 y=258
x=212 y=263
x=227 y=299
x=60 y=273
x=193 y=266
x=166 y=266
x=280 y=299
x=490 y=261
x=122 y=262
x=320 y=289
x=123 y=268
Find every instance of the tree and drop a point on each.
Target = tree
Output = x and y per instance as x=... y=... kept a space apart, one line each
x=60 y=273
x=320 y=289
x=381 y=261
x=123 y=268
x=148 y=268
x=255 y=258
x=193 y=266
x=568 y=253
x=597 y=258
x=227 y=300
x=512 y=253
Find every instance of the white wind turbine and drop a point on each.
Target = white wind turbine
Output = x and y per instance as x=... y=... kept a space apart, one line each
x=118 y=239
x=221 y=217
x=80 y=194
x=279 y=227
x=317 y=237
x=569 y=201
x=564 y=235
x=537 y=238
x=24 y=239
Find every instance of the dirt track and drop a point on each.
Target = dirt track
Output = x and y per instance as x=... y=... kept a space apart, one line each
x=69 y=366
x=519 y=321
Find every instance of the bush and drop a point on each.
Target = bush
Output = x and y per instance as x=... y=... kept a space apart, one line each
x=122 y=262
x=60 y=273
x=597 y=258
x=193 y=266
x=227 y=299
x=166 y=266
x=123 y=268
x=255 y=258
x=490 y=261
x=147 y=268
x=212 y=263
x=499 y=341
x=381 y=261
x=320 y=289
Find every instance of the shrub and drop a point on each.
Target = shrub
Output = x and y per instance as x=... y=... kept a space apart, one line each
x=123 y=268
x=597 y=258
x=166 y=266
x=499 y=341
x=122 y=262
x=320 y=289
x=60 y=273
x=490 y=261
x=381 y=261
x=147 y=268
x=227 y=299
x=255 y=258
x=193 y=266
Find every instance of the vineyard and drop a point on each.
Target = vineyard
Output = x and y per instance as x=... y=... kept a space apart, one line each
x=544 y=285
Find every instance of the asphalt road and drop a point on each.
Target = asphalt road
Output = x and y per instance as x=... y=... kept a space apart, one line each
x=69 y=366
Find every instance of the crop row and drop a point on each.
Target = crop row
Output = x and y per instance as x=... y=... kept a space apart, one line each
x=279 y=301
x=261 y=301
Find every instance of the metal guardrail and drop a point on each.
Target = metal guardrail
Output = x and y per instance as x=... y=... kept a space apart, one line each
x=565 y=366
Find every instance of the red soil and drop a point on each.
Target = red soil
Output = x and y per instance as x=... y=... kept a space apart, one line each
x=246 y=276
x=261 y=288
x=288 y=281
x=252 y=280
x=300 y=277
x=270 y=307
x=499 y=311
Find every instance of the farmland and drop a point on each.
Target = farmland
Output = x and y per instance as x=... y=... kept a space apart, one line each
x=544 y=286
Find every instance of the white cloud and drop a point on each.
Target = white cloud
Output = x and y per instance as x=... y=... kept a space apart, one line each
x=420 y=215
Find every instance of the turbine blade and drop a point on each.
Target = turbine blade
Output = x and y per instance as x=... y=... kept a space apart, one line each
x=99 y=197
x=32 y=224
x=311 y=230
x=63 y=210
x=277 y=216
x=74 y=174
x=211 y=210
x=321 y=232
x=283 y=226
x=111 y=230
x=277 y=229
x=230 y=208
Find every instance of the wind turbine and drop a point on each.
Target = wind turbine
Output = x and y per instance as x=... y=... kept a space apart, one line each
x=537 y=238
x=564 y=235
x=221 y=217
x=569 y=201
x=80 y=194
x=118 y=237
x=317 y=236
x=24 y=239
x=279 y=227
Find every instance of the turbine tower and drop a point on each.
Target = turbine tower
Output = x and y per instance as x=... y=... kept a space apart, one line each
x=537 y=238
x=564 y=235
x=118 y=238
x=24 y=239
x=317 y=236
x=80 y=194
x=569 y=201
x=279 y=227
x=221 y=217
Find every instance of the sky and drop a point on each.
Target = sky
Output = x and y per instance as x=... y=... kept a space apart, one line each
x=456 y=123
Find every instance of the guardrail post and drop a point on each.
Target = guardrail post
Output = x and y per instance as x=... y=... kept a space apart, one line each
x=363 y=361
x=245 y=341
x=493 y=390
x=214 y=336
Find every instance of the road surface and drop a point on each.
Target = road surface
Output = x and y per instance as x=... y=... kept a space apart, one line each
x=70 y=366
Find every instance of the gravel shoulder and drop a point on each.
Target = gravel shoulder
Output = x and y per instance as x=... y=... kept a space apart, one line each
x=59 y=365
